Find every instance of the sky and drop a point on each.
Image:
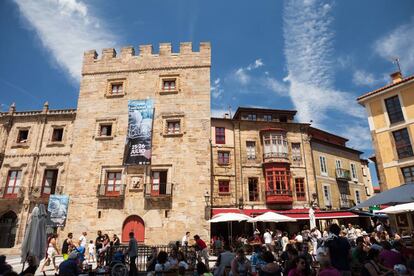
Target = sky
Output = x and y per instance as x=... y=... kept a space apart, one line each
x=314 y=56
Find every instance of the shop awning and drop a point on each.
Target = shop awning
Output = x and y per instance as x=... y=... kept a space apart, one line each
x=299 y=214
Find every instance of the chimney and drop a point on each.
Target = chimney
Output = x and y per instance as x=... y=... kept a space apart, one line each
x=396 y=77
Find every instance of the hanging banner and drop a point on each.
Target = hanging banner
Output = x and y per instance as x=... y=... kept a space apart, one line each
x=58 y=209
x=139 y=137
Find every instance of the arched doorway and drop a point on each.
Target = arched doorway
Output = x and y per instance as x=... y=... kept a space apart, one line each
x=8 y=229
x=133 y=224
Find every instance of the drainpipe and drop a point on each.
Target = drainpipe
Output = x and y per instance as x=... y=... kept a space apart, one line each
x=304 y=160
x=314 y=171
x=241 y=167
x=235 y=163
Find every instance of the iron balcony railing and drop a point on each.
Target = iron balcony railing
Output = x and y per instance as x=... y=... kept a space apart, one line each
x=111 y=191
x=281 y=192
x=159 y=190
x=343 y=174
x=275 y=154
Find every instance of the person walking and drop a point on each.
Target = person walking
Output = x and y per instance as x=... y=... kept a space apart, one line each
x=202 y=250
x=51 y=253
x=67 y=246
x=91 y=251
x=339 y=250
x=132 y=254
x=82 y=239
x=267 y=237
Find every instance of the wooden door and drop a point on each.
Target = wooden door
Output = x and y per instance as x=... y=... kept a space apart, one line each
x=133 y=224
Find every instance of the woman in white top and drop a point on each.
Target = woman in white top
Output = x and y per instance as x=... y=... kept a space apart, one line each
x=52 y=251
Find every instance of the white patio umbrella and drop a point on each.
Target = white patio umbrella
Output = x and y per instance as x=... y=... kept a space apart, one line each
x=35 y=238
x=400 y=208
x=271 y=217
x=397 y=195
x=229 y=217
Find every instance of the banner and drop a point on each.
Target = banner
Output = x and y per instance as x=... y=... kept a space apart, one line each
x=58 y=209
x=138 y=143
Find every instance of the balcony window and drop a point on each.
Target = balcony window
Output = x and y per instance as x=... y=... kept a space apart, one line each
x=278 y=180
x=113 y=183
x=338 y=164
x=159 y=183
x=224 y=186
x=49 y=182
x=223 y=157
x=13 y=183
x=344 y=201
x=394 y=110
x=408 y=173
x=253 y=189
x=296 y=154
x=251 y=150
x=300 y=189
x=402 y=143
x=22 y=136
x=220 y=135
x=275 y=145
x=57 y=135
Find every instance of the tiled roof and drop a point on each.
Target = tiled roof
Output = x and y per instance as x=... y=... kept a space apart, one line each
x=385 y=87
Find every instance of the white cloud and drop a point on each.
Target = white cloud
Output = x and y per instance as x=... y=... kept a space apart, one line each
x=309 y=54
x=216 y=90
x=66 y=29
x=363 y=78
x=276 y=86
x=398 y=43
x=241 y=74
x=358 y=135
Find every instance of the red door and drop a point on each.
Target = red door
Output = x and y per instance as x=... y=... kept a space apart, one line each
x=133 y=224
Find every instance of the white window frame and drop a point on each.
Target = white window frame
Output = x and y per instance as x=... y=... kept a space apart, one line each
x=251 y=151
x=327 y=200
x=323 y=165
x=338 y=164
x=354 y=173
x=357 y=199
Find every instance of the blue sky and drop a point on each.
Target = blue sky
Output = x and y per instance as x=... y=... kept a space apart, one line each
x=315 y=56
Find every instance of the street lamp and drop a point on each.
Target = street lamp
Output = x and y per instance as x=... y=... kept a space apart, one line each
x=207 y=198
x=207 y=210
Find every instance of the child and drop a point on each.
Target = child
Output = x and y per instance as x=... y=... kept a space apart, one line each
x=91 y=251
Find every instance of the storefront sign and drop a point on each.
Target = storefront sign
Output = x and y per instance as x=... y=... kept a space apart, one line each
x=139 y=137
x=58 y=209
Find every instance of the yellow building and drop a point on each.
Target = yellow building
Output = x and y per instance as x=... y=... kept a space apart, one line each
x=391 y=121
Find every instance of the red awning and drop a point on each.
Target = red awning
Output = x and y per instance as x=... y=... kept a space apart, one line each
x=293 y=213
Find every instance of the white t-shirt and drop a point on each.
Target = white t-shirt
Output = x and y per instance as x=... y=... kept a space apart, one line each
x=267 y=238
x=82 y=240
x=184 y=240
x=91 y=248
x=299 y=238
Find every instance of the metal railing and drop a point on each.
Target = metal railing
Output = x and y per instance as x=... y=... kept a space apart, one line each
x=281 y=192
x=111 y=191
x=160 y=190
x=343 y=174
x=275 y=154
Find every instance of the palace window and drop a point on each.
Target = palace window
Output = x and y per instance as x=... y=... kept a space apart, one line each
x=223 y=157
x=169 y=85
x=296 y=154
x=253 y=189
x=402 y=143
x=394 y=109
x=224 y=186
x=159 y=183
x=173 y=127
x=300 y=189
x=322 y=161
x=49 y=182
x=278 y=180
x=113 y=182
x=117 y=88
x=251 y=150
x=220 y=135
x=22 y=136
x=105 y=130
x=13 y=183
x=57 y=135
x=408 y=173
x=275 y=145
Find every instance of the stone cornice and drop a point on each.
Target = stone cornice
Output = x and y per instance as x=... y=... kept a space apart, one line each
x=146 y=69
x=35 y=154
x=70 y=111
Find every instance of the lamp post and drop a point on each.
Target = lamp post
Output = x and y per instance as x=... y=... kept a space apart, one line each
x=207 y=210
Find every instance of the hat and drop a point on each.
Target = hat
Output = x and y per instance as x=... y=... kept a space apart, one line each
x=364 y=233
x=73 y=255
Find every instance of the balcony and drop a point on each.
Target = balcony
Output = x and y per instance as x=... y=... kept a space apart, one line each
x=161 y=191
x=19 y=195
x=279 y=197
x=116 y=191
x=342 y=174
x=282 y=157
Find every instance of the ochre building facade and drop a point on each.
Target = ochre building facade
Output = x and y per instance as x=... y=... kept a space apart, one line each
x=390 y=111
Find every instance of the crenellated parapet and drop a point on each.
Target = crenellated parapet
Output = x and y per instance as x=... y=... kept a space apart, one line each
x=146 y=59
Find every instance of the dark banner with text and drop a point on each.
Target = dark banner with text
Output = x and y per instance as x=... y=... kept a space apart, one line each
x=138 y=143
